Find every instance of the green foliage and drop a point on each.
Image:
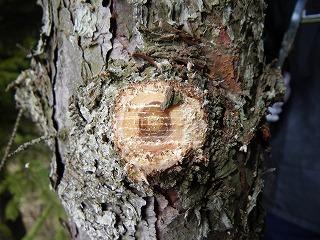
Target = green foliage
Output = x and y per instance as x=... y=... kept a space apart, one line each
x=4 y=230
x=24 y=179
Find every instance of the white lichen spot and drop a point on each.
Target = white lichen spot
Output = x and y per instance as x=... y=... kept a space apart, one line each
x=26 y=165
x=226 y=15
x=243 y=148
x=205 y=102
x=190 y=65
x=137 y=2
x=212 y=2
x=85 y=21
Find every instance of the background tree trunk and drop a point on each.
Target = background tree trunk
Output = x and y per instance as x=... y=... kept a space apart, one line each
x=92 y=51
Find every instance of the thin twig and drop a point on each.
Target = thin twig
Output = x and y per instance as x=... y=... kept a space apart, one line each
x=20 y=78
x=145 y=57
x=29 y=144
x=13 y=134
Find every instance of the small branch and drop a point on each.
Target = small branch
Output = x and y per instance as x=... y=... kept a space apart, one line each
x=20 y=78
x=39 y=223
x=145 y=57
x=30 y=143
x=13 y=134
x=23 y=146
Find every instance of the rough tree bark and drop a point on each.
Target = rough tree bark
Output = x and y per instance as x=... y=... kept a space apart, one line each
x=192 y=76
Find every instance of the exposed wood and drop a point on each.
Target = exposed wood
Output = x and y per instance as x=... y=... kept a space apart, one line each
x=150 y=139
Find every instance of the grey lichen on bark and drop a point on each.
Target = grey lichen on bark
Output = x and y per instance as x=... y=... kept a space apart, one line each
x=85 y=58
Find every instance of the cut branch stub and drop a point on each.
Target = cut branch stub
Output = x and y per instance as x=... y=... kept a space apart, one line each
x=150 y=139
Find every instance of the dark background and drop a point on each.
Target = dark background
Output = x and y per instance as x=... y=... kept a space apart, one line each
x=28 y=208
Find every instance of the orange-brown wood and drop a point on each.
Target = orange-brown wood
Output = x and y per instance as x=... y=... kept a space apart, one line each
x=151 y=139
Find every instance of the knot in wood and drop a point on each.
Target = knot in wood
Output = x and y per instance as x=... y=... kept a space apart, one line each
x=151 y=139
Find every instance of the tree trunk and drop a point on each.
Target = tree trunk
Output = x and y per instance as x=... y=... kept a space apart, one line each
x=155 y=109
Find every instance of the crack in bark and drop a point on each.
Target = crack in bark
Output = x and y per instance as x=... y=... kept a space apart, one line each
x=60 y=166
x=113 y=28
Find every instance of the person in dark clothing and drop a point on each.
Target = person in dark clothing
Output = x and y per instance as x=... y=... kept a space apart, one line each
x=292 y=191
